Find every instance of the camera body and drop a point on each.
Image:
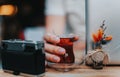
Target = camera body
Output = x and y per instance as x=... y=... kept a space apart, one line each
x=23 y=57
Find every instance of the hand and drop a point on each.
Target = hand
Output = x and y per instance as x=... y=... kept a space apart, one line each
x=51 y=49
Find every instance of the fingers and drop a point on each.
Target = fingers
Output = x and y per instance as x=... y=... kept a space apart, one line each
x=51 y=38
x=54 y=49
x=51 y=57
x=51 y=49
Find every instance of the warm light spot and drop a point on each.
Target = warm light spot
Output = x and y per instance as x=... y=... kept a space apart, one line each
x=8 y=10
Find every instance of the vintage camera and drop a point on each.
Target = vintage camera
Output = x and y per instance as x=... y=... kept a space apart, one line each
x=23 y=57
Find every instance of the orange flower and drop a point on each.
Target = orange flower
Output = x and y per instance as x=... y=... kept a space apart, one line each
x=100 y=34
x=108 y=38
x=95 y=37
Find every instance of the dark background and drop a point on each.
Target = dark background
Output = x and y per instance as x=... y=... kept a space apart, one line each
x=30 y=14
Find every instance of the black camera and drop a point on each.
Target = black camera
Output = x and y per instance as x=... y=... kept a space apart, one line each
x=23 y=57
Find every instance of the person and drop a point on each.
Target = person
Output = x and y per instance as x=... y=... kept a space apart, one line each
x=61 y=15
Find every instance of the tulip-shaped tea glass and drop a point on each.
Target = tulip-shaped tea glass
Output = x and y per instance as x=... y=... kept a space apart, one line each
x=72 y=58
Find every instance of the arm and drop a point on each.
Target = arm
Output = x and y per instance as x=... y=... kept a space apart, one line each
x=55 y=23
x=55 y=16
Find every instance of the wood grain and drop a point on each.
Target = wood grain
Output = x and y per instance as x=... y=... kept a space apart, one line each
x=82 y=71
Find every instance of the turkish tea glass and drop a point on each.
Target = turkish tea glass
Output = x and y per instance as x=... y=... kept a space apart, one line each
x=72 y=58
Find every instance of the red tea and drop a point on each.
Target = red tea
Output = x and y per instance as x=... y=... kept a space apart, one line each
x=68 y=57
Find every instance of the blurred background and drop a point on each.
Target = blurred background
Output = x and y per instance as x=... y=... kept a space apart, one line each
x=18 y=15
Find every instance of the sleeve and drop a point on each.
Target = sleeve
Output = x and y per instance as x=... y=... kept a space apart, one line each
x=54 y=7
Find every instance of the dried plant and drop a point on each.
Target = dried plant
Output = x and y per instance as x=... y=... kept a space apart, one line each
x=99 y=37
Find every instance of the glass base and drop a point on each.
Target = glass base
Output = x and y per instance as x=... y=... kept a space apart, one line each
x=63 y=67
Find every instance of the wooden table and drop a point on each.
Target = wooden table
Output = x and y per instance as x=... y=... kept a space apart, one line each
x=83 y=71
